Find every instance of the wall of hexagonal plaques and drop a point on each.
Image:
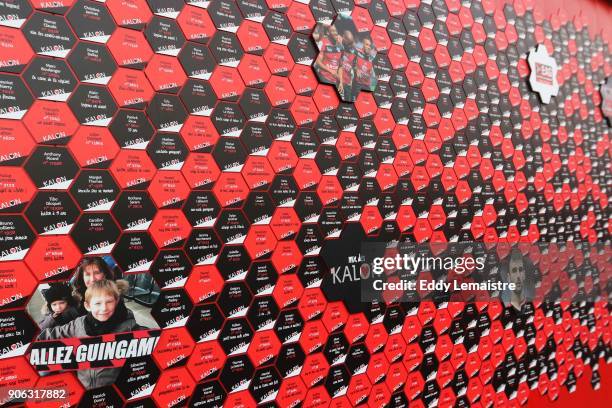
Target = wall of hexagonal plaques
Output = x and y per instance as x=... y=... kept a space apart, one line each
x=202 y=150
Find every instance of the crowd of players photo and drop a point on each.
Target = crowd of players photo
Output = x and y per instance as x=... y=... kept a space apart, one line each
x=346 y=58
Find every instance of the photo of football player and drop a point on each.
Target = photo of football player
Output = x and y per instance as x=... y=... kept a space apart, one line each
x=519 y=271
x=346 y=57
x=327 y=63
x=346 y=73
x=365 y=78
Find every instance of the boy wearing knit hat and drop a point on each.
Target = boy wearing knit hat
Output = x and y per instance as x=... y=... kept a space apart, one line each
x=60 y=307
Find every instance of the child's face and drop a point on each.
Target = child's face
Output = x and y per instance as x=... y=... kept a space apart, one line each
x=92 y=274
x=59 y=306
x=101 y=306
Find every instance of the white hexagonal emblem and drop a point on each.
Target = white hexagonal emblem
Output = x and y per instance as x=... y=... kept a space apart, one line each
x=543 y=78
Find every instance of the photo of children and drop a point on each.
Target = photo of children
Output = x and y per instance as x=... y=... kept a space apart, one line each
x=345 y=57
x=106 y=313
x=93 y=303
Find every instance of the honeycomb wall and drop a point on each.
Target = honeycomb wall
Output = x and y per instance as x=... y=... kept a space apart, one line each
x=193 y=141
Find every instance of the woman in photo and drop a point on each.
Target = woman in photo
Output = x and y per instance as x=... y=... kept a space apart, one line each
x=90 y=270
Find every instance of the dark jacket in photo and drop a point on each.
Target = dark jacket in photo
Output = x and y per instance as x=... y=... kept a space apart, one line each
x=67 y=316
